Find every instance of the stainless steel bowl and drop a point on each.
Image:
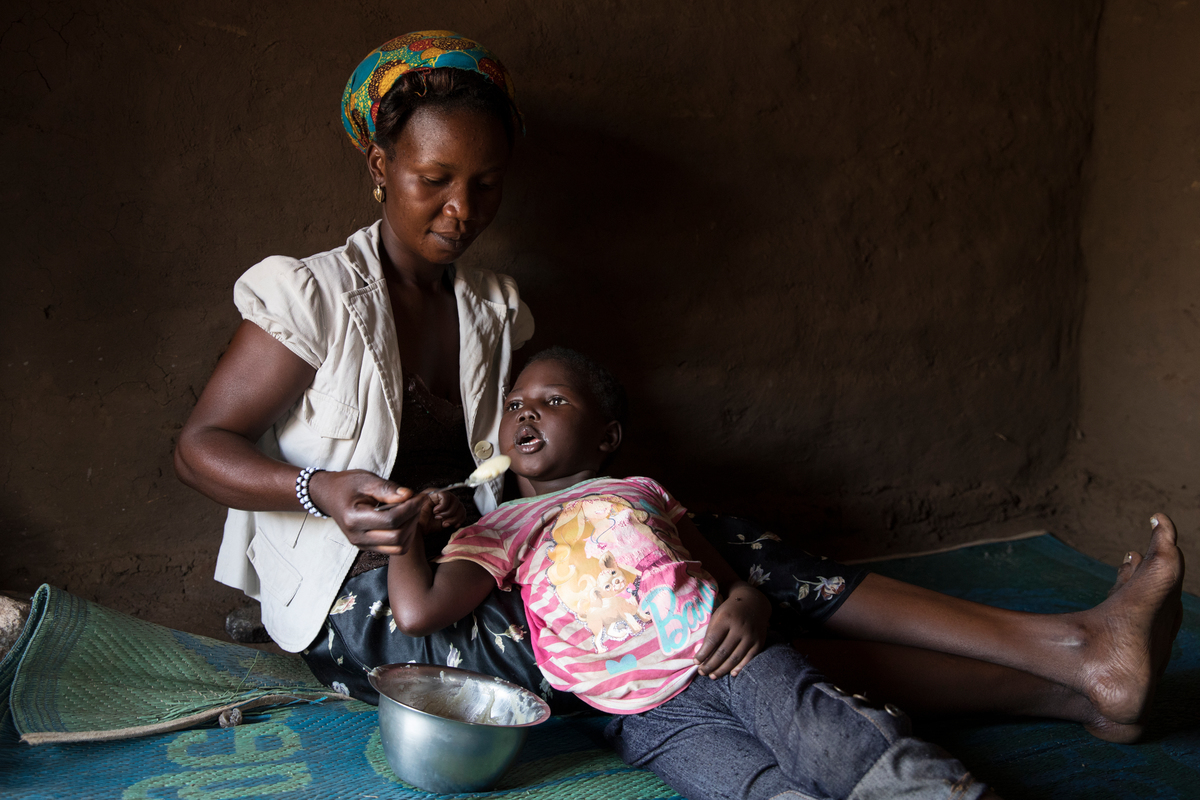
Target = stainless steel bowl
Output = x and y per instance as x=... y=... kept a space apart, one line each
x=451 y=730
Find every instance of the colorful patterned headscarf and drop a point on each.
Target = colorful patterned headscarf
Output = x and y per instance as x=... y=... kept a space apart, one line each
x=421 y=50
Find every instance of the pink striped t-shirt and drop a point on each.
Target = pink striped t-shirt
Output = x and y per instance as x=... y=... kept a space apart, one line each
x=616 y=607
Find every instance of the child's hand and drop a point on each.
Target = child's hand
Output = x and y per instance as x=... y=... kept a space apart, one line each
x=448 y=511
x=736 y=632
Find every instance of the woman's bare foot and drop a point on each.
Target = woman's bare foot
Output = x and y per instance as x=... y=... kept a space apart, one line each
x=1129 y=635
x=1094 y=722
x=1125 y=571
x=1109 y=731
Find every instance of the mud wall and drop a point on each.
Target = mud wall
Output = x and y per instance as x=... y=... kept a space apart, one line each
x=1138 y=447
x=833 y=249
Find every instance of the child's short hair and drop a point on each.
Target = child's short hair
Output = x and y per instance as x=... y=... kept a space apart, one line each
x=605 y=389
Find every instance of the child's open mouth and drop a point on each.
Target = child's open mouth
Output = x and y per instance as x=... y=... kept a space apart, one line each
x=529 y=439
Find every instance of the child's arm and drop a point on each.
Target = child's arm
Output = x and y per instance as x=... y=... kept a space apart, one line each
x=425 y=599
x=738 y=628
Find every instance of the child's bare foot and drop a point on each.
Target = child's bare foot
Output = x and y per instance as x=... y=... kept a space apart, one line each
x=1129 y=635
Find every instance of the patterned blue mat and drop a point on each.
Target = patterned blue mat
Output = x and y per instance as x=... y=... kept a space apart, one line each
x=332 y=749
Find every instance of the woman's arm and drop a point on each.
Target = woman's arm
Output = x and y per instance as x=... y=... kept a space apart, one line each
x=425 y=599
x=255 y=383
x=702 y=550
x=738 y=628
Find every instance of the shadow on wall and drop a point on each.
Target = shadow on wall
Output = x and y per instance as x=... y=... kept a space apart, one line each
x=782 y=387
x=614 y=244
x=613 y=238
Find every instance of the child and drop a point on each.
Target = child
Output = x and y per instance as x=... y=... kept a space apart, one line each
x=623 y=615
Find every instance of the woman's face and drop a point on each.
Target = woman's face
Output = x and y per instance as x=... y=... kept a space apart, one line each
x=443 y=183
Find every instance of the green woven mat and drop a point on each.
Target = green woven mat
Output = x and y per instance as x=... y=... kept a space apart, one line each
x=84 y=672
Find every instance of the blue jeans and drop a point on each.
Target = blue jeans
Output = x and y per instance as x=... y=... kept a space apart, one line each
x=779 y=730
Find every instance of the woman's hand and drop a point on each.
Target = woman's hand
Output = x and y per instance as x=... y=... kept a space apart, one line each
x=352 y=498
x=448 y=511
x=736 y=632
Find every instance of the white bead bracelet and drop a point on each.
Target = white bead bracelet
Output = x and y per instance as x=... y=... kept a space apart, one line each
x=302 y=491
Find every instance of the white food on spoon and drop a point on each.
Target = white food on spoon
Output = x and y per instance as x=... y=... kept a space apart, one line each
x=492 y=468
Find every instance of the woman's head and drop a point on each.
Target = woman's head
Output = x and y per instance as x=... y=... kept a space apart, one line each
x=435 y=115
x=441 y=185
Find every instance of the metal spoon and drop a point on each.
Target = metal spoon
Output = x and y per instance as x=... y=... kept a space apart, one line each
x=492 y=468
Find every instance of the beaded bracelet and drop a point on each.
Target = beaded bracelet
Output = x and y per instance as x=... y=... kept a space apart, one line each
x=302 y=491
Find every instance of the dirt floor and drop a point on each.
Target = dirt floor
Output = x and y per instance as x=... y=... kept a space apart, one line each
x=840 y=253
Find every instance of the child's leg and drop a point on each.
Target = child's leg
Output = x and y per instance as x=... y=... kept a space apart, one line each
x=699 y=749
x=1112 y=654
x=779 y=730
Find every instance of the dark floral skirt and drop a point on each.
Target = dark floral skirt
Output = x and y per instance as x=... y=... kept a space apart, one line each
x=359 y=632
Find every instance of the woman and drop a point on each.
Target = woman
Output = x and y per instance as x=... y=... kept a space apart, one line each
x=314 y=376
x=380 y=358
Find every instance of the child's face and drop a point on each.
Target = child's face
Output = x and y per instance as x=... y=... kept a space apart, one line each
x=552 y=429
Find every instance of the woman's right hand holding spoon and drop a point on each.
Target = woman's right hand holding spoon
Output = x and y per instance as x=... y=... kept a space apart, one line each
x=375 y=514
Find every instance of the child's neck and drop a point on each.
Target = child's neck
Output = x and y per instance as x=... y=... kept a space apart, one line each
x=531 y=487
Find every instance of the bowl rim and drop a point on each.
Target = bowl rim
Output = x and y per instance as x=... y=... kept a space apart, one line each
x=375 y=674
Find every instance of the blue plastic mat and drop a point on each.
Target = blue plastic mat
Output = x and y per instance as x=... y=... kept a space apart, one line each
x=332 y=750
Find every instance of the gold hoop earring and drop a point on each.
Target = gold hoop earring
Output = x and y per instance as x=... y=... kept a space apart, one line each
x=379 y=194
